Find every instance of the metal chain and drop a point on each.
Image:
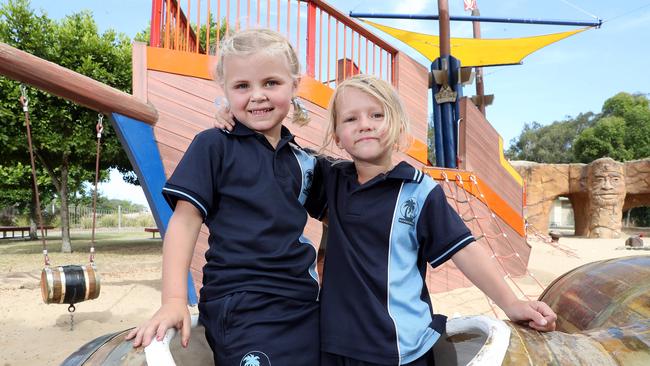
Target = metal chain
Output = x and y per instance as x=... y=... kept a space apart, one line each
x=71 y=310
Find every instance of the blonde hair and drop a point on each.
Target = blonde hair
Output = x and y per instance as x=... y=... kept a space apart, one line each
x=250 y=41
x=397 y=128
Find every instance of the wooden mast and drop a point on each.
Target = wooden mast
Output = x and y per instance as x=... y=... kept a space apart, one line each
x=443 y=25
x=480 y=87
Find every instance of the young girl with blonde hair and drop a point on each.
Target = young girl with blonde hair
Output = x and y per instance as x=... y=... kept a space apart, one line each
x=387 y=223
x=250 y=186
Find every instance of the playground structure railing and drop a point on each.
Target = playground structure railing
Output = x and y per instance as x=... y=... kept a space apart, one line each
x=331 y=46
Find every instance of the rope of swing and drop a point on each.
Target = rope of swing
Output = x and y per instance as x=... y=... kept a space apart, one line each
x=24 y=100
x=99 y=128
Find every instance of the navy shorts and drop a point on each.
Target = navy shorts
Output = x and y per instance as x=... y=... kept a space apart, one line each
x=330 y=359
x=252 y=328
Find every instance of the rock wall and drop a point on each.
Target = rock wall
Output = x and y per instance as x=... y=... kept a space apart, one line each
x=599 y=192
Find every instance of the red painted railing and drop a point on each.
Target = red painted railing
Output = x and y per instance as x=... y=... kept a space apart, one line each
x=170 y=27
x=331 y=46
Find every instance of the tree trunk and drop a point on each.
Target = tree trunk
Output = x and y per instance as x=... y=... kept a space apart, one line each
x=66 y=247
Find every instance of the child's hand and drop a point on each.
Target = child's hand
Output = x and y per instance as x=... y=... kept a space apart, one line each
x=171 y=314
x=223 y=118
x=537 y=314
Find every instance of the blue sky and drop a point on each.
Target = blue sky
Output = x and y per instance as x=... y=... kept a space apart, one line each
x=572 y=76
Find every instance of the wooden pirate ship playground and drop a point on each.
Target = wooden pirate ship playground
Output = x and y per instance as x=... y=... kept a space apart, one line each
x=173 y=94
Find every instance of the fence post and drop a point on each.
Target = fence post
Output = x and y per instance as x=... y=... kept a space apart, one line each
x=119 y=218
x=311 y=38
x=156 y=23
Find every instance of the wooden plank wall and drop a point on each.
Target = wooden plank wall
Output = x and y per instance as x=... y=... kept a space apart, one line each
x=185 y=105
x=479 y=153
x=413 y=89
x=185 y=108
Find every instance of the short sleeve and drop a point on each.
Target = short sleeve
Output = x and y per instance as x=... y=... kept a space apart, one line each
x=316 y=203
x=195 y=178
x=441 y=231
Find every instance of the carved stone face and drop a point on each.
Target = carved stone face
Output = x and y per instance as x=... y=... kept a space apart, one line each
x=606 y=188
x=607 y=185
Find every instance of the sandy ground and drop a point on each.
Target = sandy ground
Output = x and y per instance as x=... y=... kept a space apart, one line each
x=37 y=334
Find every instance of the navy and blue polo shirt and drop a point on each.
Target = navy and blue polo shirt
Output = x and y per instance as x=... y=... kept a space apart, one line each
x=382 y=235
x=252 y=198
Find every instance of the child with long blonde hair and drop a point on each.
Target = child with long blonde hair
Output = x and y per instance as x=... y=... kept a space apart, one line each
x=387 y=223
x=251 y=187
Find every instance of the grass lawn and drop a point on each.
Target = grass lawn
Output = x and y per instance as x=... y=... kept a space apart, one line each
x=114 y=247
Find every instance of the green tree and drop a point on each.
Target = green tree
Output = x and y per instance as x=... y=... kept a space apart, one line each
x=63 y=132
x=640 y=216
x=606 y=138
x=214 y=29
x=17 y=191
x=431 y=143
x=636 y=113
x=623 y=132
x=15 y=185
x=621 y=103
x=551 y=144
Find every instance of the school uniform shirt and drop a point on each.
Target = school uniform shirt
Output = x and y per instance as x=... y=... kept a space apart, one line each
x=252 y=198
x=382 y=235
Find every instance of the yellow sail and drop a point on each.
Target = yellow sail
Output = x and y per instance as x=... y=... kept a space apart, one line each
x=477 y=52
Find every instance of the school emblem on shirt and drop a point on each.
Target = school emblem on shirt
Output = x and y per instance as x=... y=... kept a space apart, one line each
x=308 y=180
x=408 y=211
x=255 y=358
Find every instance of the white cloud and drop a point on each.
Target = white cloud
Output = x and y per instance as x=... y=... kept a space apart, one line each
x=117 y=188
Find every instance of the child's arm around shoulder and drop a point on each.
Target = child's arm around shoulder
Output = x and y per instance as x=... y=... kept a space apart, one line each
x=180 y=239
x=475 y=263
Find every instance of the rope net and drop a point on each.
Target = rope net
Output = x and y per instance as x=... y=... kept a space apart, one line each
x=508 y=250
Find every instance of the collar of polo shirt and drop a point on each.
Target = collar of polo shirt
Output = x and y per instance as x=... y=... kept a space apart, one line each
x=240 y=129
x=401 y=171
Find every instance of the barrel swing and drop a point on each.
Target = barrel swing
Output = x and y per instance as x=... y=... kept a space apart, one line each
x=68 y=284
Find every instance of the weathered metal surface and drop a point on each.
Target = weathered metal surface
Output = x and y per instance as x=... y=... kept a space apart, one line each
x=113 y=350
x=472 y=342
x=604 y=309
x=609 y=346
x=609 y=293
x=80 y=356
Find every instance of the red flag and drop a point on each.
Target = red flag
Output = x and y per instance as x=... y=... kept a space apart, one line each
x=470 y=4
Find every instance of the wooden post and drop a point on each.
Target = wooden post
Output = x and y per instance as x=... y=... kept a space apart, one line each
x=480 y=88
x=156 y=22
x=443 y=22
x=65 y=83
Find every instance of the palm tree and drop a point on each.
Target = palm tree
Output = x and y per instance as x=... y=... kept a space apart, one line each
x=409 y=209
x=251 y=360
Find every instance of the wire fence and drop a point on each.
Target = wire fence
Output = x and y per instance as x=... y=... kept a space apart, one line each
x=81 y=217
